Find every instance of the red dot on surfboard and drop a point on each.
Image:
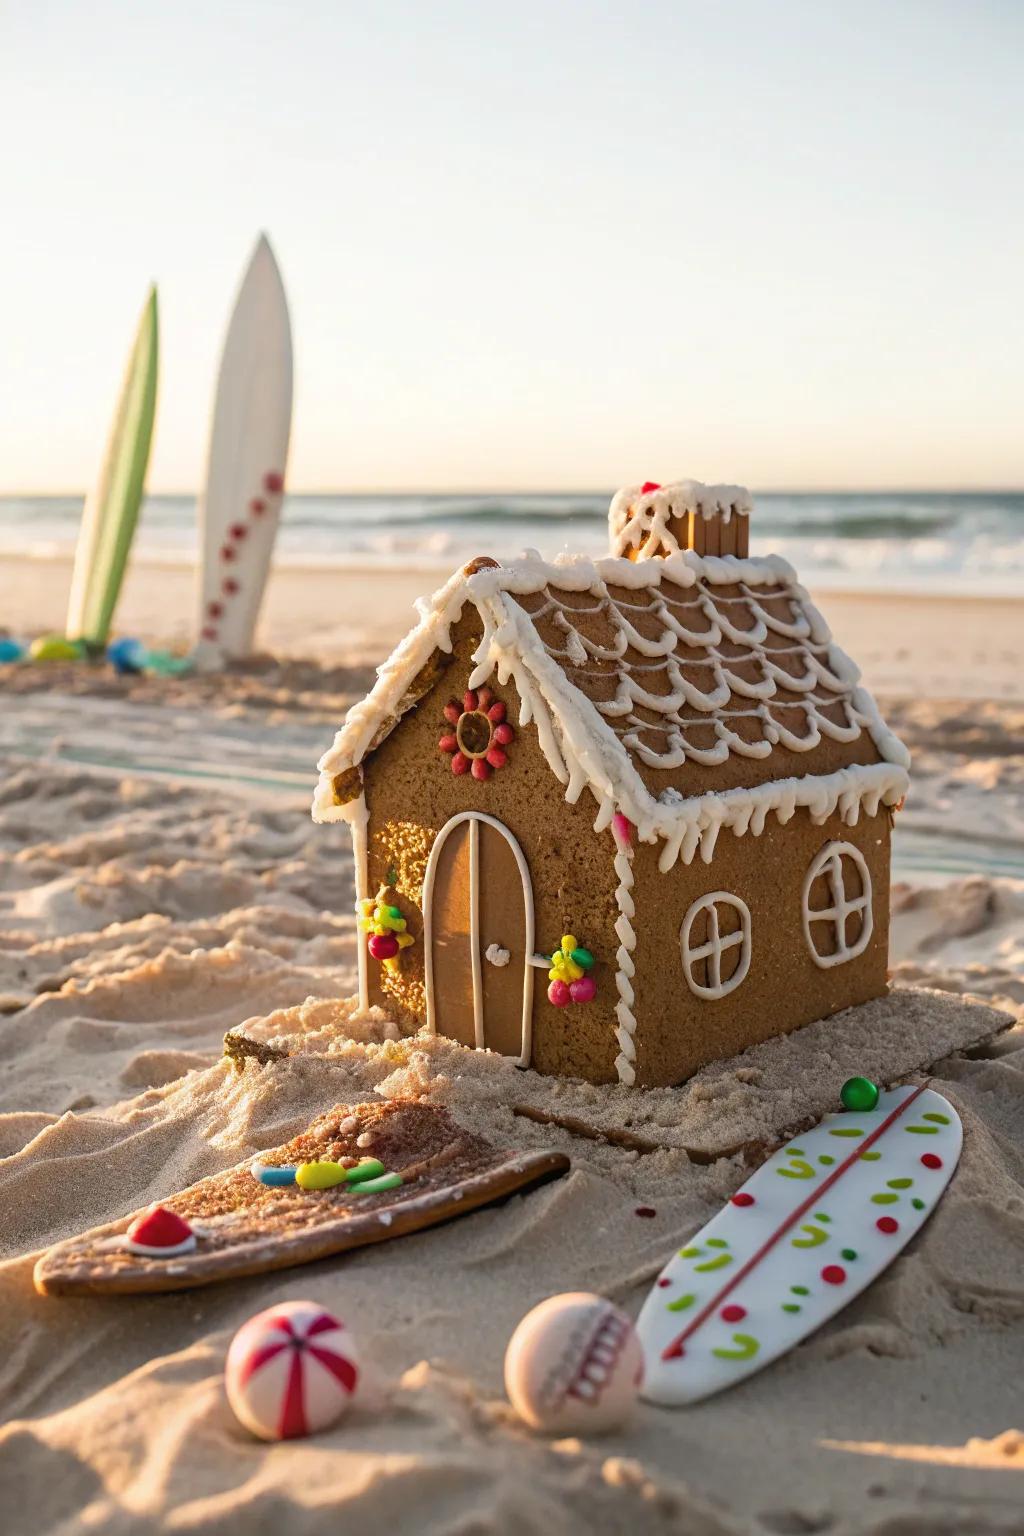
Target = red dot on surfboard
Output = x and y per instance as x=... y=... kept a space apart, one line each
x=209 y=632
x=159 y=1228
x=664 y=1281
x=273 y=482
x=229 y=586
x=931 y=1160
x=887 y=1224
x=733 y=1314
x=257 y=506
x=743 y=1198
x=215 y=610
x=238 y=530
x=833 y=1274
x=648 y=486
x=226 y=552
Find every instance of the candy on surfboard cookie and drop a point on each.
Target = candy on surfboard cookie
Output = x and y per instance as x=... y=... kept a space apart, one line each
x=360 y=1174
x=815 y=1225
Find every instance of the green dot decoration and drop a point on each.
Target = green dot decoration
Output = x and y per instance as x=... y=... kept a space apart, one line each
x=791 y=1306
x=848 y=1253
x=859 y=1094
x=800 y=1290
x=917 y=1204
x=825 y=1160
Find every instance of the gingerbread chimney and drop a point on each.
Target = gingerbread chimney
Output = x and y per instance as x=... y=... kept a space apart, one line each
x=646 y=521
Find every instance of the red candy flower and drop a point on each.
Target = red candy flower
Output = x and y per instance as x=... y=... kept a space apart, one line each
x=477 y=743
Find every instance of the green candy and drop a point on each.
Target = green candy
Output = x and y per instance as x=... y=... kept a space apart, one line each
x=371 y=1186
x=858 y=1094
x=394 y=912
x=369 y=1168
x=583 y=957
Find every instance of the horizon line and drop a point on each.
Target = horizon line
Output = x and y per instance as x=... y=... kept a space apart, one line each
x=823 y=489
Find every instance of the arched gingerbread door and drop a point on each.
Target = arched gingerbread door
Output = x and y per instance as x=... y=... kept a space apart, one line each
x=478 y=936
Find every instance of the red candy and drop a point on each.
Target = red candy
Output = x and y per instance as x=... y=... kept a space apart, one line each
x=273 y=482
x=469 y=701
x=931 y=1160
x=887 y=1224
x=583 y=990
x=496 y=713
x=226 y=552
x=452 y=711
x=481 y=769
x=159 y=1228
x=460 y=763
x=497 y=758
x=503 y=734
x=743 y=1198
x=449 y=744
x=215 y=610
x=733 y=1314
x=558 y=994
x=238 y=530
x=382 y=946
x=833 y=1274
x=229 y=586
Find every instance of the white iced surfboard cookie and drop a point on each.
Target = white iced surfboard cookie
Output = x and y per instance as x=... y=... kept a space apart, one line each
x=815 y=1225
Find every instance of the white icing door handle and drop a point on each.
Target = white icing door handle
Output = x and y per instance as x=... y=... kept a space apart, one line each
x=497 y=955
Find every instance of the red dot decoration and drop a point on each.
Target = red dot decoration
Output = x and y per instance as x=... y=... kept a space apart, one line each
x=887 y=1224
x=931 y=1160
x=229 y=586
x=743 y=1198
x=645 y=1210
x=209 y=632
x=215 y=610
x=833 y=1274
x=664 y=1281
x=226 y=552
x=238 y=530
x=648 y=486
x=273 y=482
x=733 y=1314
x=257 y=506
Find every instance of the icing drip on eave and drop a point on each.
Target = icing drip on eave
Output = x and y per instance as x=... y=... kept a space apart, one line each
x=579 y=743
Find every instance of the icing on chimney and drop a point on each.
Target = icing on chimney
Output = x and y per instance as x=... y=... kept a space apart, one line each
x=656 y=520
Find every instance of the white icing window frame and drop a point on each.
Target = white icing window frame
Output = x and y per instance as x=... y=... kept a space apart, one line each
x=829 y=861
x=715 y=945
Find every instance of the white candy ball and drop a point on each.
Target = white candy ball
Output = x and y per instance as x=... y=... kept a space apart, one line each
x=574 y=1365
x=290 y=1371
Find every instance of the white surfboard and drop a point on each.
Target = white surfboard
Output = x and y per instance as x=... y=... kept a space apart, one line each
x=815 y=1225
x=241 y=506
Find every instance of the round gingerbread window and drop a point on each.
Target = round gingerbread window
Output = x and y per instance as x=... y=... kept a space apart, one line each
x=715 y=945
x=837 y=915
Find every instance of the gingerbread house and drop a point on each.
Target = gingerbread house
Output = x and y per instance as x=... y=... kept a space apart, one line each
x=616 y=818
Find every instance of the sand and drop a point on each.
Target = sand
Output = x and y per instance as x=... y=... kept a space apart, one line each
x=160 y=883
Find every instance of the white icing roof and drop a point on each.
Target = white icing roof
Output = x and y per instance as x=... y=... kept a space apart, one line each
x=634 y=670
x=643 y=520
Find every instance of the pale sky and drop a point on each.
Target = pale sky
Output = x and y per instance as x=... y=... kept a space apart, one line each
x=528 y=244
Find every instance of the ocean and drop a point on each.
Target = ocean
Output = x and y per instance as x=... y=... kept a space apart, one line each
x=895 y=540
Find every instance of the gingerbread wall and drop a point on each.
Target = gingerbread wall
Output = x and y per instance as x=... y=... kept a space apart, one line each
x=678 y=1032
x=411 y=793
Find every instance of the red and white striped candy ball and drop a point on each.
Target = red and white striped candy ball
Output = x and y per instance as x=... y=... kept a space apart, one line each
x=291 y=1371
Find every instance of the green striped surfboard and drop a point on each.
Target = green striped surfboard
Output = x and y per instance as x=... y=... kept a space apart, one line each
x=112 y=507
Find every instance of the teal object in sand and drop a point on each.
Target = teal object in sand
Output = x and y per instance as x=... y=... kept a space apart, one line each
x=10 y=650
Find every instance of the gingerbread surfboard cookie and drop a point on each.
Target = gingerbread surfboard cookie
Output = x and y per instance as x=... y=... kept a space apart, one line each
x=360 y=1174
x=814 y=1226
